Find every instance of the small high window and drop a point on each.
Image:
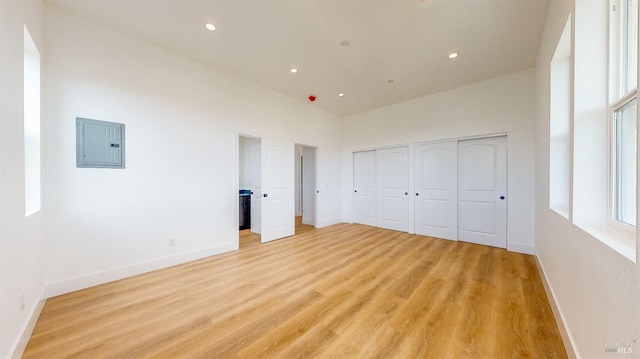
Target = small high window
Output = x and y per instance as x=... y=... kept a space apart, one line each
x=31 y=125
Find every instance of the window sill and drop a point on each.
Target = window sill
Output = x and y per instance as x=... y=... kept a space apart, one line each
x=561 y=210
x=620 y=240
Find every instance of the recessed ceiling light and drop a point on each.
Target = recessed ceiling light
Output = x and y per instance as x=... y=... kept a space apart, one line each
x=340 y=94
x=389 y=81
x=210 y=27
x=345 y=43
x=453 y=55
x=294 y=70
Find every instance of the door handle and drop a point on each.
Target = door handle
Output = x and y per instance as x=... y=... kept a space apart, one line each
x=502 y=198
x=356 y=191
x=265 y=195
x=251 y=192
x=417 y=194
x=406 y=193
x=318 y=191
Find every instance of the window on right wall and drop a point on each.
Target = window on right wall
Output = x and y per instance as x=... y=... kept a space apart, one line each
x=623 y=110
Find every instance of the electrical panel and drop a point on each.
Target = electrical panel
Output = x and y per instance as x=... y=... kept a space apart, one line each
x=99 y=144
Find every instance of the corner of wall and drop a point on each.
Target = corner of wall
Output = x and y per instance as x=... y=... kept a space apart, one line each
x=567 y=339
x=520 y=248
x=25 y=334
x=93 y=279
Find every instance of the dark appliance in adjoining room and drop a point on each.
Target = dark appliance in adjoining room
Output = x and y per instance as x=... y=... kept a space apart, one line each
x=245 y=209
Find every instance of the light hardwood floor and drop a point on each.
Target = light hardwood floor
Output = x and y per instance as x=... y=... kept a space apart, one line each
x=346 y=291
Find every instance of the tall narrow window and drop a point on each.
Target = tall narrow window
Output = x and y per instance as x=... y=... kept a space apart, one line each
x=629 y=50
x=560 y=125
x=624 y=111
x=31 y=125
x=625 y=172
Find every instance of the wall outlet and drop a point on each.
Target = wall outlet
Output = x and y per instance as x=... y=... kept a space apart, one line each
x=22 y=302
x=172 y=242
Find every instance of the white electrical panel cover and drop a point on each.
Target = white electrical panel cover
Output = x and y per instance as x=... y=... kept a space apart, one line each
x=99 y=144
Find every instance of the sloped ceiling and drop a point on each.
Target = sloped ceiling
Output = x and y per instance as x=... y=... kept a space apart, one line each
x=396 y=50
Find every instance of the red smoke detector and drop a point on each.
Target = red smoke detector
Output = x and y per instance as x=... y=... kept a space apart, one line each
x=312 y=98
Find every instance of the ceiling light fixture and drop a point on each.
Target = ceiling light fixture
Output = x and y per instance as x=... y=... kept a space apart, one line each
x=345 y=43
x=340 y=94
x=453 y=55
x=210 y=27
x=294 y=70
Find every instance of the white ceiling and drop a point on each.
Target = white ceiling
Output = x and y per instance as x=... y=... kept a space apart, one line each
x=407 y=41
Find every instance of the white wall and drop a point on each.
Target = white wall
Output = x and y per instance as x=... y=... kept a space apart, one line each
x=596 y=290
x=501 y=105
x=21 y=238
x=182 y=124
x=243 y=171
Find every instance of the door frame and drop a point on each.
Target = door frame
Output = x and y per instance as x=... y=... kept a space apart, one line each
x=316 y=191
x=411 y=182
x=236 y=176
x=448 y=139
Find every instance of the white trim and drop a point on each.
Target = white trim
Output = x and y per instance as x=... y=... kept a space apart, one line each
x=327 y=223
x=567 y=338
x=20 y=345
x=308 y=221
x=520 y=248
x=110 y=275
x=617 y=238
x=381 y=147
x=464 y=138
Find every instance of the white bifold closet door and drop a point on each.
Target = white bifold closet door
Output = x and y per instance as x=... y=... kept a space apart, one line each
x=380 y=179
x=393 y=188
x=436 y=189
x=482 y=191
x=364 y=187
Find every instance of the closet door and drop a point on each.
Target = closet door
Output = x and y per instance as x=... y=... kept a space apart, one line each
x=364 y=187
x=436 y=189
x=392 y=188
x=482 y=191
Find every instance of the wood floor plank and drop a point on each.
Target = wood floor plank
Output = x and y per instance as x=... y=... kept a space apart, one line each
x=345 y=291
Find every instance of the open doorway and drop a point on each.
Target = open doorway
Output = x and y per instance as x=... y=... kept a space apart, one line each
x=250 y=182
x=276 y=182
x=305 y=186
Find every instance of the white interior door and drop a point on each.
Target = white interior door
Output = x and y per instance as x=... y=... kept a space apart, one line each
x=436 y=189
x=364 y=187
x=482 y=191
x=278 y=193
x=392 y=188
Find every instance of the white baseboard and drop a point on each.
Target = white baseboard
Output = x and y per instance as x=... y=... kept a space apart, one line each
x=21 y=344
x=308 y=221
x=93 y=279
x=567 y=339
x=327 y=223
x=520 y=248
